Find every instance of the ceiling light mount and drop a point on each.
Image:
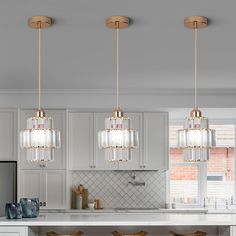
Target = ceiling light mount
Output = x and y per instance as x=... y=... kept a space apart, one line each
x=115 y=22
x=42 y=22
x=193 y=22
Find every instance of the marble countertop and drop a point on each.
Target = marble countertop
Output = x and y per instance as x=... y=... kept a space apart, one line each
x=123 y=219
x=129 y=210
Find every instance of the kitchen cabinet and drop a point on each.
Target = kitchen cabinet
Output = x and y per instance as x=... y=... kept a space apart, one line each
x=47 y=185
x=8 y=134
x=59 y=117
x=83 y=151
x=13 y=231
x=155 y=141
x=136 y=163
x=99 y=159
x=80 y=141
x=84 y=154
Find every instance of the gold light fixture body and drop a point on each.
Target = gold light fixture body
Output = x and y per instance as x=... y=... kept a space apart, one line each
x=196 y=138
x=40 y=138
x=115 y=22
x=118 y=138
x=39 y=22
x=193 y=22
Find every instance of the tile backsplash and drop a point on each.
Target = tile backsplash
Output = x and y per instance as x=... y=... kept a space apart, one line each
x=114 y=191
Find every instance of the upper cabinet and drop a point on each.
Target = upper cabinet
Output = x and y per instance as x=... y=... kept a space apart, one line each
x=137 y=153
x=99 y=159
x=84 y=154
x=59 y=117
x=80 y=141
x=155 y=141
x=8 y=134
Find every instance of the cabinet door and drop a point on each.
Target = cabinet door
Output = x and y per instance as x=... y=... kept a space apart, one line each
x=54 y=182
x=13 y=231
x=59 y=157
x=80 y=141
x=99 y=157
x=31 y=184
x=156 y=151
x=59 y=117
x=8 y=135
x=136 y=163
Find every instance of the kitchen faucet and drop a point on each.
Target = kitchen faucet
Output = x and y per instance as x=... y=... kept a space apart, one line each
x=136 y=183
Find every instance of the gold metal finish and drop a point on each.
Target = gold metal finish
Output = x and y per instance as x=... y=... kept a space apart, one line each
x=115 y=22
x=196 y=113
x=117 y=113
x=193 y=22
x=140 y=233
x=39 y=22
x=40 y=113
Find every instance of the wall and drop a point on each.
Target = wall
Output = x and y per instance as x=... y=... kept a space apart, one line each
x=155 y=99
x=112 y=188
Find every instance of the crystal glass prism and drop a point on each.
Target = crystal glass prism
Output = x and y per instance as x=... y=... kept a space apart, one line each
x=196 y=139
x=40 y=139
x=118 y=139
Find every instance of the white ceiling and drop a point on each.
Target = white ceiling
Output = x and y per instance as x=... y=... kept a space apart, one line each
x=79 y=51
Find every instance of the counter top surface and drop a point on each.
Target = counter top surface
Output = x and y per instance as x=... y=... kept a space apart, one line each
x=123 y=219
x=128 y=210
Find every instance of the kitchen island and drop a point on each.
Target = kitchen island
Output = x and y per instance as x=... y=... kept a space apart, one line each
x=104 y=223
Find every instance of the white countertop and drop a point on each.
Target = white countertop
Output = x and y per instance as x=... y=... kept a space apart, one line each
x=123 y=219
x=128 y=210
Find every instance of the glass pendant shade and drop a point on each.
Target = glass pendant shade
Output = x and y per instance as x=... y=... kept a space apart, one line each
x=118 y=139
x=196 y=139
x=40 y=139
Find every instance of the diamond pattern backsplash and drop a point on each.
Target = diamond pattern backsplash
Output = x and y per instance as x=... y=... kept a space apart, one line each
x=114 y=190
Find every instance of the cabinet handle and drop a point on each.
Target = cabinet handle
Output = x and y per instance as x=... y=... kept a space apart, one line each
x=40 y=204
x=44 y=204
x=144 y=166
x=42 y=165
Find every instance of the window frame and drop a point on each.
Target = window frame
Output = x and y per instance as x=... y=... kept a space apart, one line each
x=202 y=175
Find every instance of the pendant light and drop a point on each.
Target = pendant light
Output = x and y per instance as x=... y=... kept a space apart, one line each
x=117 y=139
x=40 y=139
x=196 y=138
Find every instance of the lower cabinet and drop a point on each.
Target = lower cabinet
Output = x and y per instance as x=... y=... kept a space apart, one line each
x=13 y=231
x=47 y=185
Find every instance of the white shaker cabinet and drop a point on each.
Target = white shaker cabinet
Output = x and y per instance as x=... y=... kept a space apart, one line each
x=59 y=118
x=99 y=157
x=54 y=186
x=47 y=185
x=80 y=141
x=137 y=162
x=84 y=154
x=155 y=141
x=83 y=151
x=31 y=185
x=8 y=134
x=13 y=231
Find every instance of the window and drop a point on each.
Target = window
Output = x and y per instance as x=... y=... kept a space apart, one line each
x=214 y=181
